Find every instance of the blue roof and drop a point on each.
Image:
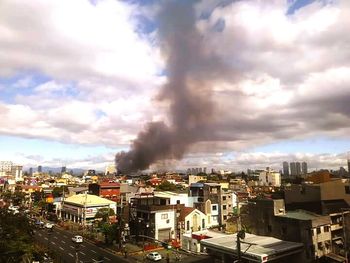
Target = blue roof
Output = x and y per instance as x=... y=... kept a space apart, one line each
x=197 y=185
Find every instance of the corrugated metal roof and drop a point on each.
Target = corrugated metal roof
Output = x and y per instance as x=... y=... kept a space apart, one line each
x=86 y=199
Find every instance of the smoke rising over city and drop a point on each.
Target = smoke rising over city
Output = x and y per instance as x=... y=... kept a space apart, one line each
x=189 y=69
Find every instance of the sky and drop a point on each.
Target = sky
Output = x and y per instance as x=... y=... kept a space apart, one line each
x=80 y=79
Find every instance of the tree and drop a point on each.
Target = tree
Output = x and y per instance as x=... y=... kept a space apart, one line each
x=16 y=237
x=104 y=213
x=166 y=186
x=109 y=231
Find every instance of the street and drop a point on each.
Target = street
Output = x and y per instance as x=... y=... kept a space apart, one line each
x=60 y=241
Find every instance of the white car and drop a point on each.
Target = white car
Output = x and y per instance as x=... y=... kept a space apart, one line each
x=49 y=225
x=77 y=239
x=155 y=256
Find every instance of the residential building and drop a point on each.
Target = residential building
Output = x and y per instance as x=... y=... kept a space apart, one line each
x=154 y=217
x=326 y=196
x=334 y=189
x=108 y=190
x=298 y=169
x=304 y=168
x=269 y=218
x=9 y=169
x=190 y=220
x=270 y=177
x=217 y=204
x=175 y=198
x=196 y=178
x=293 y=169
x=285 y=169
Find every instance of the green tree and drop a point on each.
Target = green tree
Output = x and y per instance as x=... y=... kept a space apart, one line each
x=16 y=241
x=104 y=213
x=166 y=186
x=109 y=231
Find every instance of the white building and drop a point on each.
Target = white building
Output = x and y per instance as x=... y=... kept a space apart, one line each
x=164 y=224
x=7 y=168
x=190 y=221
x=83 y=207
x=270 y=177
x=175 y=198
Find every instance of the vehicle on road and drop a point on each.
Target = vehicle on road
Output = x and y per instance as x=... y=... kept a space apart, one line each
x=154 y=256
x=77 y=239
x=49 y=226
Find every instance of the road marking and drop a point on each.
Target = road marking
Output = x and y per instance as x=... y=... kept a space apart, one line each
x=39 y=234
x=61 y=248
x=65 y=236
x=71 y=254
x=83 y=245
x=93 y=251
x=55 y=237
x=82 y=253
x=53 y=243
x=45 y=238
x=108 y=259
x=64 y=242
x=71 y=246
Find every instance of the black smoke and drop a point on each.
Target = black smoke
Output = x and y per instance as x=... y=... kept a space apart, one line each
x=190 y=69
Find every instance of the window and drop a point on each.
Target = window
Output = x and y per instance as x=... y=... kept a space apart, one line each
x=214 y=208
x=164 y=216
x=203 y=223
x=224 y=207
x=326 y=228
x=319 y=245
x=225 y=217
x=188 y=225
x=318 y=230
x=224 y=198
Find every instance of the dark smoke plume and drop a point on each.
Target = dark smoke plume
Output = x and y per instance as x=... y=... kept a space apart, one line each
x=189 y=67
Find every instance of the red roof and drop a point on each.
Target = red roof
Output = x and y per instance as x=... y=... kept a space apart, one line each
x=185 y=211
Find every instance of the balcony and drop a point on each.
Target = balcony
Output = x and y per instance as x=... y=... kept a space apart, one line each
x=335 y=227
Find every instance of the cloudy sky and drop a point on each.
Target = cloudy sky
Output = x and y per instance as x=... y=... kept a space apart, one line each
x=80 y=79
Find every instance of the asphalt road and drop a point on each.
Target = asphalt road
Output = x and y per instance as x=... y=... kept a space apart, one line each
x=60 y=241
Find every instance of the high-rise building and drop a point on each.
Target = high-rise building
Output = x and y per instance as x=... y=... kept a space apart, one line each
x=40 y=169
x=348 y=163
x=30 y=171
x=285 y=169
x=293 y=169
x=63 y=169
x=303 y=167
x=298 y=168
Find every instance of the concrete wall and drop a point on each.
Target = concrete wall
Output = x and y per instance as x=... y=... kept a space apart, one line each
x=164 y=220
x=302 y=193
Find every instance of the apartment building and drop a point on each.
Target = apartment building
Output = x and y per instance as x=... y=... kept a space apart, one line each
x=269 y=218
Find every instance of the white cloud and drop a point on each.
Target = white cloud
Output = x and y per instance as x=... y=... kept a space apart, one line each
x=287 y=75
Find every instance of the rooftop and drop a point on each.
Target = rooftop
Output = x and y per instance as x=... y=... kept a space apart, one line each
x=87 y=200
x=301 y=215
x=254 y=246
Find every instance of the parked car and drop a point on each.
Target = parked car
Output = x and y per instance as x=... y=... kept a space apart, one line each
x=154 y=256
x=77 y=239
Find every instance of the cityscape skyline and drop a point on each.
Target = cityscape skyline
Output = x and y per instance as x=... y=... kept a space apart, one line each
x=89 y=86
